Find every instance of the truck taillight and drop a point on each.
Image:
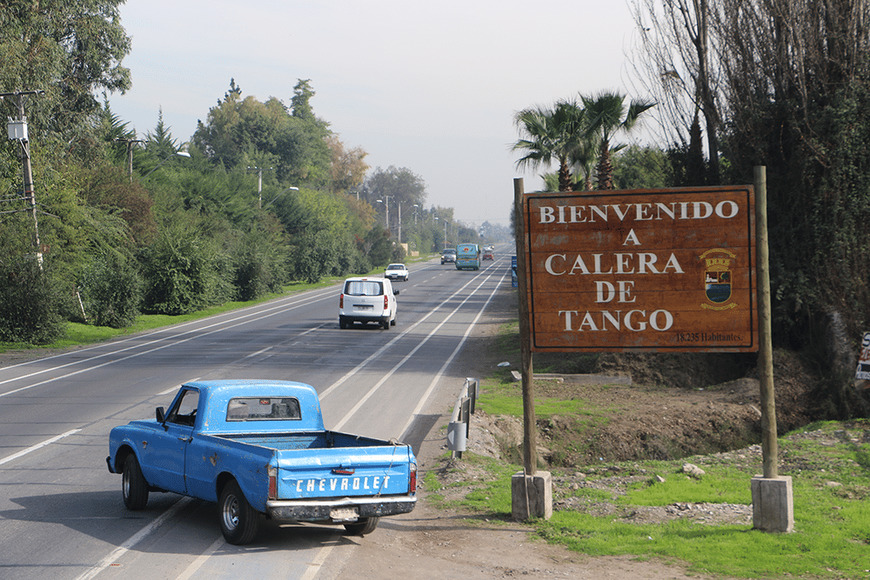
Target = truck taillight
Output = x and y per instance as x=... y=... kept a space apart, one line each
x=386 y=302
x=341 y=300
x=273 y=482
x=412 y=484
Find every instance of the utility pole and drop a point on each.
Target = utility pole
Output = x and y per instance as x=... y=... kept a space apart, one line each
x=259 y=171
x=129 y=143
x=18 y=132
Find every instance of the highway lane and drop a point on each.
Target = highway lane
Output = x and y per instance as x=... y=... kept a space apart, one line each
x=60 y=510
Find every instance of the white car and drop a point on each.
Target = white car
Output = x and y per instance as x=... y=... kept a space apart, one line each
x=396 y=272
x=367 y=300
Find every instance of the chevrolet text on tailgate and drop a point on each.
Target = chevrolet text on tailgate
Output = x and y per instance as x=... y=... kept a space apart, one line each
x=260 y=448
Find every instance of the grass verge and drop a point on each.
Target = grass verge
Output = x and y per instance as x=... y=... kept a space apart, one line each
x=831 y=508
x=829 y=463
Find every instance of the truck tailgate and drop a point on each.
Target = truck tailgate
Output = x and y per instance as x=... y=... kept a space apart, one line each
x=343 y=472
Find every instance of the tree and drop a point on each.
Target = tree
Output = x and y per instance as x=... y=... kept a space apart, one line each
x=246 y=132
x=551 y=135
x=348 y=165
x=392 y=186
x=676 y=58
x=608 y=116
x=71 y=49
x=638 y=167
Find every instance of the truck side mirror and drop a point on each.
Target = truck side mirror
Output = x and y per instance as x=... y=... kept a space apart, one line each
x=395 y=292
x=159 y=413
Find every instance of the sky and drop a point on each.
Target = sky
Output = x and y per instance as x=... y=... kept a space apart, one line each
x=432 y=87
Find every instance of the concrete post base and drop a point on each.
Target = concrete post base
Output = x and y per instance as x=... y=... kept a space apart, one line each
x=532 y=496
x=772 y=504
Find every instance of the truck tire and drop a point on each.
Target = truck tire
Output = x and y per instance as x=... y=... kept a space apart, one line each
x=385 y=324
x=239 y=521
x=362 y=526
x=134 y=488
x=342 y=323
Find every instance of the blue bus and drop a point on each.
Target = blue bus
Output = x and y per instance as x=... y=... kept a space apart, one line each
x=467 y=257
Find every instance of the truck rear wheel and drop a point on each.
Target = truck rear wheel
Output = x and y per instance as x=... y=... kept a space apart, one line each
x=239 y=521
x=362 y=526
x=133 y=485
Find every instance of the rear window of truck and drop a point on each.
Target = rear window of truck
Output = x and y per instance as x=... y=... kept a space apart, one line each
x=263 y=409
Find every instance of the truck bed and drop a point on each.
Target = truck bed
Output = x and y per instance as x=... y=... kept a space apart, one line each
x=289 y=441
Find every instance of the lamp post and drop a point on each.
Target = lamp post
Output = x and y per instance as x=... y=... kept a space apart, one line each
x=445 y=229
x=162 y=163
x=282 y=192
x=129 y=143
x=259 y=171
x=386 y=202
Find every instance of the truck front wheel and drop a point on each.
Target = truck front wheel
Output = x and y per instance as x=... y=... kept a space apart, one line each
x=238 y=519
x=133 y=485
x=362 y=526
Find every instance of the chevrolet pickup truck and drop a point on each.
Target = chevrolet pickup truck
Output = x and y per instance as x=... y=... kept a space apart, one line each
x=259 y=448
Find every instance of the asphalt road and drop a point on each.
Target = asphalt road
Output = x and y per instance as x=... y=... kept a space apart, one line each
x=61 y=513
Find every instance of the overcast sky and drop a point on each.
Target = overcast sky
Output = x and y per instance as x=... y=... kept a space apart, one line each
x=429 y=86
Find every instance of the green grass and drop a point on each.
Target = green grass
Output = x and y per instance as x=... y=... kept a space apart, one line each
x=832 y=522
x=831 y=486
x=504 y=397
x=721 y=484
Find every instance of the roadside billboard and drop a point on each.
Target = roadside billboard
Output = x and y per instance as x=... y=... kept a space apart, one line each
x=647 y=270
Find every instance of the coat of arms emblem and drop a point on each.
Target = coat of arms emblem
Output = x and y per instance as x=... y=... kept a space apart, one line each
x=717 y=278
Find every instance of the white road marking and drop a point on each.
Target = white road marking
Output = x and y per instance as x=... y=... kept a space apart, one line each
x=447 y=362
x=118 y=552
x=24 y=452
x=200 y=560
x=237 y=321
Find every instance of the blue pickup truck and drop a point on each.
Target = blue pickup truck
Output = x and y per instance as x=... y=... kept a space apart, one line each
x=260 y=448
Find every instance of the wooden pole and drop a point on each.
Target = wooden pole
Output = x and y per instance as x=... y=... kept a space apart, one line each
x=530 y=448
x=769 y=450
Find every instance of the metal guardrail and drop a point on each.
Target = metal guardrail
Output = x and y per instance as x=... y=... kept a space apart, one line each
x=458 y=428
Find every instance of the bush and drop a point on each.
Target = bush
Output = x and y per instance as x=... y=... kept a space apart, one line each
x=111 y=291
x=184 y=272
x=28 y=302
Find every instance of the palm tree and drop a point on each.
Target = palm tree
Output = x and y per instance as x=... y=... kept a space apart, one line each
x=583 y=158
x=551 y=135
x=607 y=116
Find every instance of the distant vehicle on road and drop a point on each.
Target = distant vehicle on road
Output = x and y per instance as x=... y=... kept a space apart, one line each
x=467 y=257
x=367 y=300
x=396 y=272
x=487 y=254
x=448 y=255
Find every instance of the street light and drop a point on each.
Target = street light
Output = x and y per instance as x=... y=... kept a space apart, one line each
x=445 y=230
x=282 y=192
x=162 y=163
x=387 y=206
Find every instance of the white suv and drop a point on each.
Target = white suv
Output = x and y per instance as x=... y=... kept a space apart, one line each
x=367 y=300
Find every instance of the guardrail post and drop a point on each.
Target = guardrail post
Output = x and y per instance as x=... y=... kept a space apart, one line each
x=459 y=428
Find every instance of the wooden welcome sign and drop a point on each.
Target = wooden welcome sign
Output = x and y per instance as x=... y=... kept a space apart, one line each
x=650 y=270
